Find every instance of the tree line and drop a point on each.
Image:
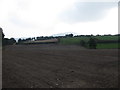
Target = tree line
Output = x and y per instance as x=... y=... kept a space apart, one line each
x=92 y=43
x=42 y=38
x=6 y=41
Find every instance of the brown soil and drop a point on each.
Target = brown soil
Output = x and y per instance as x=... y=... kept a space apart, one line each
x=59 y=66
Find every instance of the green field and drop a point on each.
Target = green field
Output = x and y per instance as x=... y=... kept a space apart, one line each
x=107 y=37
x=108 y=46
x=76 y=41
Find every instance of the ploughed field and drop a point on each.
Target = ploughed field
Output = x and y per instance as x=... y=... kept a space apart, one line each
x=59 y=66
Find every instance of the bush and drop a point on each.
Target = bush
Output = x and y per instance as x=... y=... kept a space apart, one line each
x=92 y=43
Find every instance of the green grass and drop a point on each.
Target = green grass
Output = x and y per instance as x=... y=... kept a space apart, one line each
x=108 y=46
x=107 y=37
x=76 y=40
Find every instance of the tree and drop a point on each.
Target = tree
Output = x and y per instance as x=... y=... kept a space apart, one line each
x=92 y=43
x=12 y=41
x=1 y=33
x=6 y=41
x=2 y=36
x=19 y=40
x=69 y=35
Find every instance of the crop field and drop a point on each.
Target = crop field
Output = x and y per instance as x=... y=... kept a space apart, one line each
x=76 y=41
x=59 y=66
x=73 y=40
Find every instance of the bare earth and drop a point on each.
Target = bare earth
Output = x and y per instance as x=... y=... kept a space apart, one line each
x=59 y=66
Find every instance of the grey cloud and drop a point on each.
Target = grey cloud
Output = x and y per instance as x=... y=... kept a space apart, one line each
x=87 y=11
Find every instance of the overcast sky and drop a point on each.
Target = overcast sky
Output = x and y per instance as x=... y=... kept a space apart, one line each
x=31 y=18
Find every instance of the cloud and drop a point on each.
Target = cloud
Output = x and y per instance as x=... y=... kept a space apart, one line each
x=37 y=12
x=30 y=18
x=107 y=25
x=87 y=11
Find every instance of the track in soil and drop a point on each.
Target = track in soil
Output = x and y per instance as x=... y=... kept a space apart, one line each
x=59 y=66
